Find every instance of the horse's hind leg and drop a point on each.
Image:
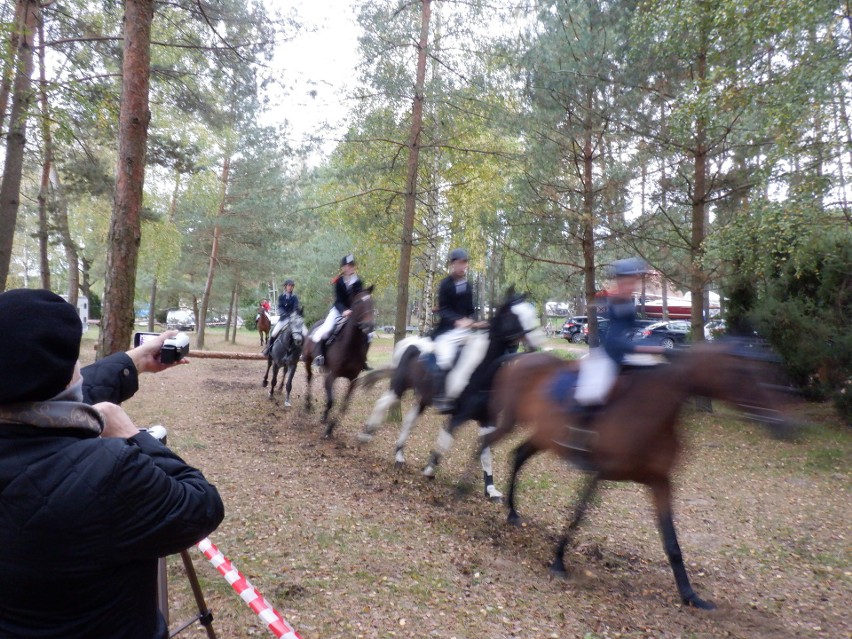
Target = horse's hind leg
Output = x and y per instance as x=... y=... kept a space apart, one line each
x=405 y=432
x=558 y=565
x=486 y=461
x=661 y=490
x=377 y=417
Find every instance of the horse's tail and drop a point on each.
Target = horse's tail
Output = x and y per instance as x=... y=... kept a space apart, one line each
x=371 y=378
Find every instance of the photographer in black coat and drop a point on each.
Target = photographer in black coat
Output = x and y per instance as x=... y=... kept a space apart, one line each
x=89 y=501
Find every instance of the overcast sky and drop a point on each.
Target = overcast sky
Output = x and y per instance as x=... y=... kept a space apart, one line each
x=317 y=67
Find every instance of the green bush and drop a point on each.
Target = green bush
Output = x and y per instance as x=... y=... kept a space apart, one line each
x=805 y=316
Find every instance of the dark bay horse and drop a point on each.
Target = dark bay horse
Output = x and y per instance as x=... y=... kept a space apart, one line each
x=345 y=356
x=286 y=352
x=514 y=321
x=263 y=325
x=635 y=435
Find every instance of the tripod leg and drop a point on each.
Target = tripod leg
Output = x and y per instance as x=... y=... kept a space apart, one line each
x=204 y=617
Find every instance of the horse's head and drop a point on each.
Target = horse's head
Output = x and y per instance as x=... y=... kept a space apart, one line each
x=364 y=311
x=297 y=326
x=516 y=320
x=733 y=372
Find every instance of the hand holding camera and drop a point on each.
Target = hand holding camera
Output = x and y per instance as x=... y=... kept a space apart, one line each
x=154 y=352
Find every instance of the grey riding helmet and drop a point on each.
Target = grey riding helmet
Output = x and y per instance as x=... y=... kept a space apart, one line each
x=630 y=266
x=458 y=254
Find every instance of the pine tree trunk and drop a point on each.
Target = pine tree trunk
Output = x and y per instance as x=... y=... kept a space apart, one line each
x=46 y=164
x=22 y=97
x=125 y=232
x=201 y=316
x=10 y=57
x=411 y=183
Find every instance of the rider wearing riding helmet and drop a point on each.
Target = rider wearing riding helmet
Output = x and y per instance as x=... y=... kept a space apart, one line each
x=346 y=286
x=599 y=370
x=455 y=309
x=288 y=303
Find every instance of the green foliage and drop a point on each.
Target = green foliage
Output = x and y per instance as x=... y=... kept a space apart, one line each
x=805 y=315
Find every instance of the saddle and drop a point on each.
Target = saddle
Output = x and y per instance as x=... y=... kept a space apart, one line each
x=335 y=330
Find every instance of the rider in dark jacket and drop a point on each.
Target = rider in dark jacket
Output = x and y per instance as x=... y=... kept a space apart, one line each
x=346 y=286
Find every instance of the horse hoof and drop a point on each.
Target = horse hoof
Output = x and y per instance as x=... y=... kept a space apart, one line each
x=558 y=571
x=265 y=383
x=429 y=472
x=513 y=519
x=495 y=499
x=287 y=404
x=399 y=464
x=365 y=438
x=697 y=602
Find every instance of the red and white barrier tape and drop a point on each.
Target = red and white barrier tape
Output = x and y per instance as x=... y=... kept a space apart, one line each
x=262 y=608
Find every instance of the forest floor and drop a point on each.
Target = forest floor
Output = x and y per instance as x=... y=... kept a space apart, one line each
x=345 y=545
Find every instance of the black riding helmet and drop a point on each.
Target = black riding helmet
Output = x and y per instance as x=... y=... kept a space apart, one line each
x=289 y=283
x=348 y=259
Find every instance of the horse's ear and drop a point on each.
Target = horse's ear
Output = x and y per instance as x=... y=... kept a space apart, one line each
x=369 y=289
x=510 y=292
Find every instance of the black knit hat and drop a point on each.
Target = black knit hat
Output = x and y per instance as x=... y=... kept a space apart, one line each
x=39 y=345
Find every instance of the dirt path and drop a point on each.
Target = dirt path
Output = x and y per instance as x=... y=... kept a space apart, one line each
x=346 y=545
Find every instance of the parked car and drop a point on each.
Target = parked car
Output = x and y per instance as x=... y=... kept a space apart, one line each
x=715 y=328
x=667 y=334
x=641 y=325
x=181 y=318
x=603 y=327
x=572 y=329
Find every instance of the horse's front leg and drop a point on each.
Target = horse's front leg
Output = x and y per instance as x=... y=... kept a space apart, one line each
x=662 y=493
x=329 y=403
x=266 y=374
x=291 y=372
x=309 y=398
x=275 y=369
x=522 y=454
x=558 y=566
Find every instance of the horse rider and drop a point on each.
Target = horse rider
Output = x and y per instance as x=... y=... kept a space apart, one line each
x=346 y=286
x=455 y=309
x=600 y=369
x=263 y=307
x=288 y=303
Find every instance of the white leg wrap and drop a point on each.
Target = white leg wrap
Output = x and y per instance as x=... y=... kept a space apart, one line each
x=445 y=440
x=486 y=460
x=407 y=424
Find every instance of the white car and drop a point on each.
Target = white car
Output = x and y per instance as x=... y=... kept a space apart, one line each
x=714 y=328
x=182 y=319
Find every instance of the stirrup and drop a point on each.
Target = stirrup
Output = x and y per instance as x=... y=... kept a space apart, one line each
x=444 y=405
x=319 y=361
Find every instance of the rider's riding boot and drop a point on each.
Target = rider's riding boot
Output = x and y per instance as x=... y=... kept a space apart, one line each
x=440 y=401
x=319 y=360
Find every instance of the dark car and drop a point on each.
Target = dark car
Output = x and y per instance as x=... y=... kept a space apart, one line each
x=603 y=327
x=572 y=329
x=667 y=334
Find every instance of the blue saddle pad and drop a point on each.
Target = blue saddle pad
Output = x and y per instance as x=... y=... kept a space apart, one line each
x=562 y=388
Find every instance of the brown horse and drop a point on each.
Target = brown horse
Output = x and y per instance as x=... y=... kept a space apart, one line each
x=263 y=325
x=345 y=356
x=634 y=437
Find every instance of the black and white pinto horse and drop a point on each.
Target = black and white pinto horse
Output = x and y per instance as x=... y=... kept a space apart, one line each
x=515 y=321
x=285 y=353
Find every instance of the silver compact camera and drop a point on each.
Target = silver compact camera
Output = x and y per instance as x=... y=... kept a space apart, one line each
x=174 y=349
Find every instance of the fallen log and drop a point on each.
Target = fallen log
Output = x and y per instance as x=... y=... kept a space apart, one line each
x=224 y=355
